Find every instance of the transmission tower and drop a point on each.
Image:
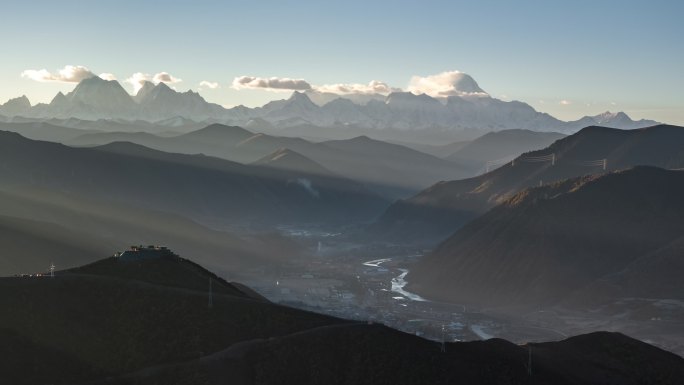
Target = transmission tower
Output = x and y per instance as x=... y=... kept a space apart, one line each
x=52 y=270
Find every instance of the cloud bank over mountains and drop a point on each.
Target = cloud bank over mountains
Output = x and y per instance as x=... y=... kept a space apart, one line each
x=77 y=73
x=445 y=84
x=442 y=85
x=270 y=84
x=138 y=79
x=68 y=74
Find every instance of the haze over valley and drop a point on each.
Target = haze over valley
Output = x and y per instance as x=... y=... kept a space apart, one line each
x=218 y=196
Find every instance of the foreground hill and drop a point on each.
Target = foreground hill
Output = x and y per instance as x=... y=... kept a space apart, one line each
x=547 y=244
x=208 y=190
x=441 y=209
x=116 y=316
x=143 y=321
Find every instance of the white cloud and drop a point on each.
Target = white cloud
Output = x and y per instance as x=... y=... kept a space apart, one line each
x=270 y=84
x=107 y=76
x=374 y=87
x=208 y=84
x=449 y=83
x=166 y=78
x=68 y=74
x=138 y=79
x=565 y=102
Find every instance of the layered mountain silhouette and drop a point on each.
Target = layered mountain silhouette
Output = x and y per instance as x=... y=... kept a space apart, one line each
x=46 y=131
x=547 y=244
x=286 y=159
x=391 y=169
x=444 y=207
x=206 y=189
x=148 y=320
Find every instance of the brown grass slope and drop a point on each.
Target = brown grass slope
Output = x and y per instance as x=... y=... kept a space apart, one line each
x=545 y=243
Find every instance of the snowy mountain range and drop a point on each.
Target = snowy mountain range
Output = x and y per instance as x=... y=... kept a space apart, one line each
x=470 y=109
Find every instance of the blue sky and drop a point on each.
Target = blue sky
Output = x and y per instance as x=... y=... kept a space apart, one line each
x=565 y=58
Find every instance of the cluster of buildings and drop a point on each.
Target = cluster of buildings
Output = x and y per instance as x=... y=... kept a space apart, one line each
x=137 y=253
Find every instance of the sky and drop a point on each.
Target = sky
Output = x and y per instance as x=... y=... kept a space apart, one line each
x=569 y=58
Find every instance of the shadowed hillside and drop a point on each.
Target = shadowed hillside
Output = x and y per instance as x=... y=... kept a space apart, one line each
x=390 y=169
x=145 y=321
x=441 y=209
x=543 y=244
x=117 y=316
x=209 y=190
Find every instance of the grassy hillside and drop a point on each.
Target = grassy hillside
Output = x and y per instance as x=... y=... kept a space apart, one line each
x=547 y=242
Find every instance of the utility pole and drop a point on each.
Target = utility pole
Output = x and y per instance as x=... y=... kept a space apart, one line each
x=52 y=270
x=605 y=163
x=443 y=341
x=529 y=360
x=211 y=299
x=553 y=159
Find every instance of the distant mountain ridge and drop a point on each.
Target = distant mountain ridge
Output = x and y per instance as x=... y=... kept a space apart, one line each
x=95 y=99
